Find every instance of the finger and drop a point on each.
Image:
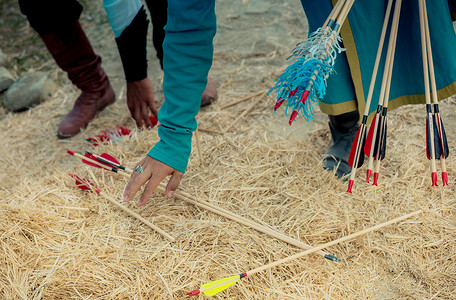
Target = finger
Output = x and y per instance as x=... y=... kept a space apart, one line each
x=134 y=184
x=152 y=107
x=173 y=183
x=154 y=181
x=145 y=115
x=137 y=116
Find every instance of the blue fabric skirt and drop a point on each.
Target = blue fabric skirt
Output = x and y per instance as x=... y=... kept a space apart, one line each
x=348 y=88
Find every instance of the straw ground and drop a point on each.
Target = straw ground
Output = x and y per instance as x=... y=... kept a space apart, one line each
x=57 y=242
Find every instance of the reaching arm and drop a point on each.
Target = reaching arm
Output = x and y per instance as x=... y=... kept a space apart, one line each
x=187 y=59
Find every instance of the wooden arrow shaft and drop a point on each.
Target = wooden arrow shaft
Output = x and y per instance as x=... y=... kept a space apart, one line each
x=338 y=241
x=225 y=213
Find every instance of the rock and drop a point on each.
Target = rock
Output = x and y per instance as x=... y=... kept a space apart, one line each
x=6 y=79
x=3 y=59
x=29 y=90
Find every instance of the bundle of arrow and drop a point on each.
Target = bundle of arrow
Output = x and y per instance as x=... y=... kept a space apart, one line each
x=374 y=147
x=304 y=81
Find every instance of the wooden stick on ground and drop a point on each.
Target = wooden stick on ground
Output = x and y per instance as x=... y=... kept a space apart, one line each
x=230 y=215
x=235 y=122
x=222 y=284
x=243 y=99
x=130 y=212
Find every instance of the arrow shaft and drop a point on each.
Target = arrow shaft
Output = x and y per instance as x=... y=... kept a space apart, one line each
x=425 y=59
x=130 y=212
x=338 y=241
x=230 y=215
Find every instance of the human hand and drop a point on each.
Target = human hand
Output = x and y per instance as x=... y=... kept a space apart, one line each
x=154 y=172
x=140 y=99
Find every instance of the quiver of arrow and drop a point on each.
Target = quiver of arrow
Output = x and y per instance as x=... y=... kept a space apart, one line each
x=304 y=80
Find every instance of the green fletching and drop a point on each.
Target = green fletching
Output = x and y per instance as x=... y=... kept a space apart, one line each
x=220 y=286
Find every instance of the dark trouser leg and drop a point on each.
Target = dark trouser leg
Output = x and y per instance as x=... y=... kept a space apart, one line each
x=343 y=131
x=70 y=48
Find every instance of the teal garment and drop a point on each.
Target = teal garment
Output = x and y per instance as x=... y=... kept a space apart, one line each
x=350 y=85
x=187 y=59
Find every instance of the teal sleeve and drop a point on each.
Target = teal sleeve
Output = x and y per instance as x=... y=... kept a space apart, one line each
x=187 y=59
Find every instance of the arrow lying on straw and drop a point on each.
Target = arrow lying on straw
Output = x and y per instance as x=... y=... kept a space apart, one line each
x=375 y=147
x=103 y=160
x=217 y=286
x=312 y=62
x=86 y=185
x=436 y=141
x=356 y=157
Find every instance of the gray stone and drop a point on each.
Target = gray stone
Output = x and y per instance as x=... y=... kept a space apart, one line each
x=3 y=59
x=29 y=90
x=6 y=79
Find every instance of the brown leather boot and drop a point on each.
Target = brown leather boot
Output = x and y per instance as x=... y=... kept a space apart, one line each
x=73 y=54
x=209 y=94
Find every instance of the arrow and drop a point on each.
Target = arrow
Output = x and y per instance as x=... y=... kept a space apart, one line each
x=440 y=140
x=215 y=287
x=90 y=160
x=356 y=157
x=312 y=62
x=376 y=145
x=432 y=143
x=214 y=208
x=86 y=185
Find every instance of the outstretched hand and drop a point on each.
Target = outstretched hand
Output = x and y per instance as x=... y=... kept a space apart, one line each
x=140 y=99
x=153 y=173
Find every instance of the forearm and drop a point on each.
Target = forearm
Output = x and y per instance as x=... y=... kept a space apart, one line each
x=187 y=59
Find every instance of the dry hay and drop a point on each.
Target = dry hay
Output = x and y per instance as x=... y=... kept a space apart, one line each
x=58 y=242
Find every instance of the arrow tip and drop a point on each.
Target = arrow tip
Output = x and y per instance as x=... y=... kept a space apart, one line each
x=278 y=103
x=445 y=178
x=332 y=257
x=434 y=179
x=70 y=152
x=369 y=173
x=293 y=117
x=375 y=179
x=350 y=185
x=193 y=293
x=304 y=96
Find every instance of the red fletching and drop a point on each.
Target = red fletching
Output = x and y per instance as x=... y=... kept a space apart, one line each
x=434 y=179
x=108 y=135
x=110 y=158
x=293 y=117
x=368 y=144
x=350 y=185
x=354 y=147
x=369 y=173
x=304 y=96
x=124 y=130
x=93 y=157
x=153 y=119
x=84 y=184
x=445 y=178
x=278 y=103
x=193 y=293
x=375 y=179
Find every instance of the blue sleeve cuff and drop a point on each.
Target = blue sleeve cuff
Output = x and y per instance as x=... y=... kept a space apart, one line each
x=121 y=13
x=174 y=147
